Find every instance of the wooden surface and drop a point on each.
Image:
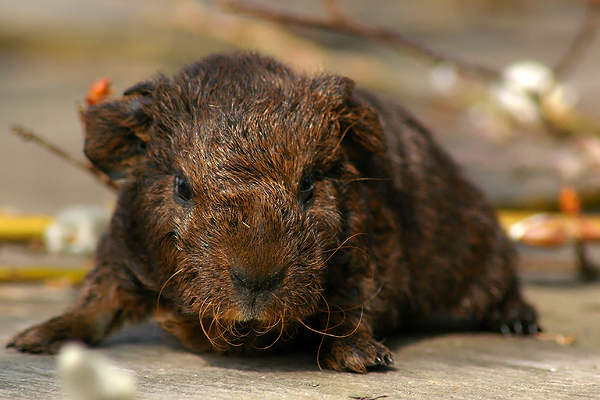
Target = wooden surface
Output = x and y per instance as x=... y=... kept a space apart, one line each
x=428 y=364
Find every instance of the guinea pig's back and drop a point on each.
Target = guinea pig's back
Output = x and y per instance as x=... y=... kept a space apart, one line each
x=452 y=244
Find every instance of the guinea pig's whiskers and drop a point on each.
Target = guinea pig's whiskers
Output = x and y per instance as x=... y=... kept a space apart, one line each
x=263 y=330
x=329 y=312
x=207 y=331
x=163 y=288
x=278 y=322
x=344 y=310
x=223 y=330
x=325 y=333
x=215 y=331
x=326 y=328
x=359 y=249
x=345 y=132
x=218 y=337
x=204 y=307
x=341 y=246
x=288 y=334
x=233 y=328
x=366 y=179
x=367 y=301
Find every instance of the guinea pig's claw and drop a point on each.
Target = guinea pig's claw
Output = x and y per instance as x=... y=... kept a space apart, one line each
x=515 y=317
x=389 y=361
x=357 y=354
x=533 y=328
x=31 y=341
x=517 y=328
x=384 y=360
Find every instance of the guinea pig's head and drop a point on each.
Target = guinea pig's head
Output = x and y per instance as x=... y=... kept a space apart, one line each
x=235 y=172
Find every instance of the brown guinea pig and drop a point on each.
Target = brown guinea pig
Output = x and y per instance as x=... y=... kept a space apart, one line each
x=258 y=204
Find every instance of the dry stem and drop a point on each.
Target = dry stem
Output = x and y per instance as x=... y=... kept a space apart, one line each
x=29 y=135
x=581 y=43
x=339 y=22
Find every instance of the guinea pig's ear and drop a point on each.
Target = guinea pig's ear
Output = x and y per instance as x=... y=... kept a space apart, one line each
x=117 y=131
x=332 y=91
x=358 y=119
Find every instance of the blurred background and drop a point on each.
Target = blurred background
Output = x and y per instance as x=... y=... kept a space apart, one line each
x=520 y=146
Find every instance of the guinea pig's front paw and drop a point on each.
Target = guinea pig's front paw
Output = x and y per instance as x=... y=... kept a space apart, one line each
x=356 y=354
x=40 y=339
x=516 y=316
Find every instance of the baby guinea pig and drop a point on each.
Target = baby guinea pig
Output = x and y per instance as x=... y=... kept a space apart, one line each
x=259 y=205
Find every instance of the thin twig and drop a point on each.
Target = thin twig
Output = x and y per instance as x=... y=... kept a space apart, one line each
x=29 y=135
x=581 y=43
x=334 y=9
x=588 y=271
x=339 y=23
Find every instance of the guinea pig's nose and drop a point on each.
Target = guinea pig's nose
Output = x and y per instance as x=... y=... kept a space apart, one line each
x=242 y=279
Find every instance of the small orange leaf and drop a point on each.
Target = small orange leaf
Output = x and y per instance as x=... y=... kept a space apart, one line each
x=569 y=201
x=98 y=91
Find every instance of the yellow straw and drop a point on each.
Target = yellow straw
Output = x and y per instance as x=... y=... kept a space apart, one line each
x=23 y=228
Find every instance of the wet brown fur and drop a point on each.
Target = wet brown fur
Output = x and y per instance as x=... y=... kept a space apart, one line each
x=307 y=205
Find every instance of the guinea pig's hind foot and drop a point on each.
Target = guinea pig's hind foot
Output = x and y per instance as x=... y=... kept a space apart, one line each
x=356 y=353
x=514 y=316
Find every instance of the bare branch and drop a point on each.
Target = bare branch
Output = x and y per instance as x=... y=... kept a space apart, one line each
x=29 y=135
x=339 y=23
x=581 y=43
x=334 y=9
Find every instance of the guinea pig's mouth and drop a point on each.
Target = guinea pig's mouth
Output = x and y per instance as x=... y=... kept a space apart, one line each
x=257 y=309
x=256 y=297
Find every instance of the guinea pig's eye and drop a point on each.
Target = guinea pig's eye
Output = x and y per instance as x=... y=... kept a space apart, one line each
x=306 y=191
x=142 y=146
x=181 y=190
